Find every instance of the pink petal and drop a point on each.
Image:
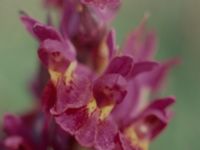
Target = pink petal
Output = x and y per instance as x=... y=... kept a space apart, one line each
x=123 y=111
x=156 y=77
x=142 y=67
x=121 y=65
x=39 y=30
x=106 y=134
x=28 y=22
x=140 y=44
x=111 y=42
x=43 y=32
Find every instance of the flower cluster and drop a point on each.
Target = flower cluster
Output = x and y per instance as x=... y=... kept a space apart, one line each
x=91 y=92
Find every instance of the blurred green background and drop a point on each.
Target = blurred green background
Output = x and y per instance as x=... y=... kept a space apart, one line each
x=178 y=27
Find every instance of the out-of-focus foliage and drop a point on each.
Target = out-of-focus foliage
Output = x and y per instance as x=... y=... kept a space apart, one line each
x=177 y=24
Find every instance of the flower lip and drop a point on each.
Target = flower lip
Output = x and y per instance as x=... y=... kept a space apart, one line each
x=72 y=119
x=106 y=134
x=75 y=93
x=87 y=133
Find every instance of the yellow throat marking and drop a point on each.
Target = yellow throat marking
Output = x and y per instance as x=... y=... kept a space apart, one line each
x=131 y=134
x=105 y=111
x=68 y=75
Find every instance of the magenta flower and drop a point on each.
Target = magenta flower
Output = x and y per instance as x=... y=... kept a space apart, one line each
x=105 y=9
x=94 y=94
x=86 y=24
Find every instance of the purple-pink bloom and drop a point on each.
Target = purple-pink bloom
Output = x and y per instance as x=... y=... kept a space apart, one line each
x=94 y=94
x=32 y=131
x=105 y=9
